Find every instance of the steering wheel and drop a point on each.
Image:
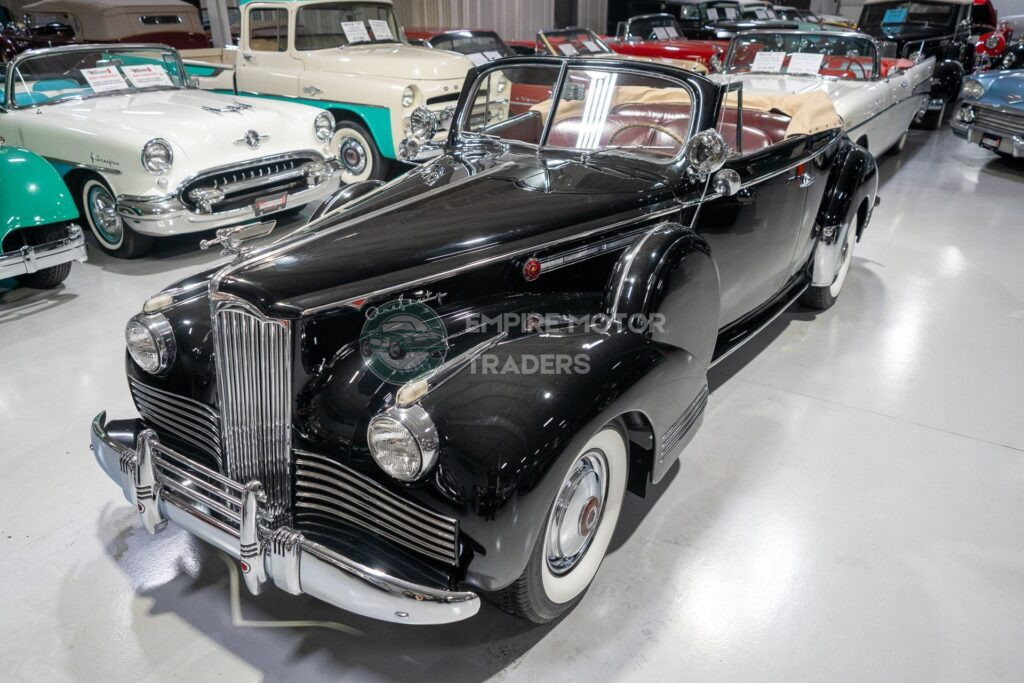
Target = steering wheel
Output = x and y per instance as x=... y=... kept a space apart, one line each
x=848 y=65
x=651 y=126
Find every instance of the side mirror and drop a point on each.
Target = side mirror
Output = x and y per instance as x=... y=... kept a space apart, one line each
x=705 y=153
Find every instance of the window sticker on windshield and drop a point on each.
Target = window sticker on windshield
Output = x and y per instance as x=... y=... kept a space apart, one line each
x=896 y=15
x=355 y=31
x=671 y=32
x=760 y=13
x=768 y=62
x=147 y=76
x=492 y=55
x=104 y=79
x=591 y=46
x=660 y=32
x=381 y=30
x=730 y=13
x=477 y=58
x=712 y=14
x=567 y=49
x=805 y=63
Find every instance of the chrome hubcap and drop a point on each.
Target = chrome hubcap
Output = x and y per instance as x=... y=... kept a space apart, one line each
x=104 y=213
x=577 y=512
x=352 y=155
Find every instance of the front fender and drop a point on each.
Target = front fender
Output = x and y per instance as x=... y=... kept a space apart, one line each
x=947 y=79
x=31 y=192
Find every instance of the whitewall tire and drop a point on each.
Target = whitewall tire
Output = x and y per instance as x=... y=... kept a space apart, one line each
x=355 y=150
x=824 y=297
x=97 y=205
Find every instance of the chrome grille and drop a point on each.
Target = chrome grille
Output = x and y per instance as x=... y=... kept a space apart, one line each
x=1000 y=121
x=328 y=495
x=179 y=417
x=241 y=184
x=199 y=487
x=253 y=359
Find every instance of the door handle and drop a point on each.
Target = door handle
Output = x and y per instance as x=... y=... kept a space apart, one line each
x=247 y=56
x=312 y=90
x=904 y=84
x=806 y=179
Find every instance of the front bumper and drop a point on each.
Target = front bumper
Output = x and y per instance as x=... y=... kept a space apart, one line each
x=28 y=260
x=1010 y=142
x=280 y=554
x=167 y=215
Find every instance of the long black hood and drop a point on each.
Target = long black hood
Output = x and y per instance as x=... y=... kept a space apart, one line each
x=440 y=218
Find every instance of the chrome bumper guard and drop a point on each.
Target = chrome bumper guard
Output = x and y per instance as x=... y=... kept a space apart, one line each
x=28 y=260
x=228 y=515
x=1010 y=143
x=167 y=215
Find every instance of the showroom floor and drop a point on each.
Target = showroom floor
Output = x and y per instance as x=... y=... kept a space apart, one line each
x=853 y=508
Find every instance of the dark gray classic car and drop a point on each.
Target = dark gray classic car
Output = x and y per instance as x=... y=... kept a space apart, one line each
x=589 y=257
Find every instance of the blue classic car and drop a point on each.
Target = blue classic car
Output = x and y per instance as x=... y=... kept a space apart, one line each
x=991 y=112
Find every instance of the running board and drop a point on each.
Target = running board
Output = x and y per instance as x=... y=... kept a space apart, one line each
x=746 y=328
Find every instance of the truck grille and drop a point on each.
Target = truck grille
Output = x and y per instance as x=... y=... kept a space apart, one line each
x=993 y=119
x=253 y=360
x=328 y=496
x=245 y=183
x=179 y=418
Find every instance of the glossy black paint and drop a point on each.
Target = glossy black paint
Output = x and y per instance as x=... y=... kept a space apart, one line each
x=462 y=228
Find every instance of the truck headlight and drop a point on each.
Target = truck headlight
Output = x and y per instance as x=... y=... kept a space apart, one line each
x=157 y=156
x=973 y=88
x=423 y=124
x=150 y=342
x=403 y=442
x=408 y=96
x=323 y=126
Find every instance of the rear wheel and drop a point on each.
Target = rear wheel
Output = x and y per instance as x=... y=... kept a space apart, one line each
x=97 y=204
x=360 y=159
x=579 y=527
x=47 y=278
x=823 y=298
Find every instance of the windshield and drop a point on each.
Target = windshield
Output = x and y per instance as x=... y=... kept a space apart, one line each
x=660 y=27
x=572 y=42
x=892 y=18
x=479 y=46
x=759 y=12
x=595 y=110
x=809 y=54
x=60 y=75
x=323 y=26
x=722 y=11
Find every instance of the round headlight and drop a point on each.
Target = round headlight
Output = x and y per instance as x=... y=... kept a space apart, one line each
x=403 y=442
x=992 y=42
x=1008 y=60
x=502 y=84
x=973 y=88
x=715 y=62
x=423 y=124
x=323 y=126
x=408 y=97
x=965 y=114
x=157 y=156
x=150 y=342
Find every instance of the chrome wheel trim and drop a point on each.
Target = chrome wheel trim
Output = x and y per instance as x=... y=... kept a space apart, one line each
x=101 y=214
x=577 y=512
x=844 y=262
x=353 y=152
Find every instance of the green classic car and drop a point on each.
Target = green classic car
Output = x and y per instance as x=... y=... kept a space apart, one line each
x=38 y=239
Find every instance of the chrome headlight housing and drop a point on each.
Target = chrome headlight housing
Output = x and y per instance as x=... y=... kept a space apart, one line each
x=973 y=89
x=423 y=124
x=965 y=114
x=403 y=442
x=408 y=96
x=150 y=342
x=502 y=84
x=1008 y=60
x=715 y=62
x=992 y=42
x=157 y=156
x=323 y=126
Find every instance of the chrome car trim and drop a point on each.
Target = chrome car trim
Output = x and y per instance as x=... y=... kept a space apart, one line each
x=410 y=393
x=27 y=260
x=294 y=563
x=88 y=167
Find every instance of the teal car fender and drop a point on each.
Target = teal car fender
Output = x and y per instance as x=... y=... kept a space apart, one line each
x=32 y=193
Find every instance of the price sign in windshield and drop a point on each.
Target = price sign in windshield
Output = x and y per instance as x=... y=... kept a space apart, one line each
x=381 y=29
x=804 y=63
x=768 y=62
x=355 y=31
x=104 y=79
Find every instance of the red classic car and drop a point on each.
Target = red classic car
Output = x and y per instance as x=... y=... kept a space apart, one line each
x=168 y=22
x=993 y=48
x=659 y=36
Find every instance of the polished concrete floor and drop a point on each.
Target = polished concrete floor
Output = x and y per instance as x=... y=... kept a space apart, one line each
x=853 y=508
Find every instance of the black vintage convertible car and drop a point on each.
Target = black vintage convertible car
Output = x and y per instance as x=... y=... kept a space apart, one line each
x=589 y=256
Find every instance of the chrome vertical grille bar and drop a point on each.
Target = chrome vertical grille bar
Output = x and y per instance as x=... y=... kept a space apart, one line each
x=253 y=362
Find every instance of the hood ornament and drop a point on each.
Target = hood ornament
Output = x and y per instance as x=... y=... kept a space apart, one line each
x=252 y=138
x=232 y=239
x=233 y=108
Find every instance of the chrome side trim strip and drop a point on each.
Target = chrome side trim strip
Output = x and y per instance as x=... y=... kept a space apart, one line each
x=411 y=392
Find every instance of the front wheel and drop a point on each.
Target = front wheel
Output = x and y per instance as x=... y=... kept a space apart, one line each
x=47 y=278
x=932 y=120
x=97 y=204
x=355 y=149
x=579 y=528
x=823 y=298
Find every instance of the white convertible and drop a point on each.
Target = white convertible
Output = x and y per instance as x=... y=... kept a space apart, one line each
x=877 y=98
x=147 y=155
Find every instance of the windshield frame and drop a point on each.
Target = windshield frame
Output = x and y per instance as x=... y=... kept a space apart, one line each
x=13 y=66
x=876 y=61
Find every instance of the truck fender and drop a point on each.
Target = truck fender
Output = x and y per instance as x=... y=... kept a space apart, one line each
x=852 y=186
x=344 y=195
x=668 y=277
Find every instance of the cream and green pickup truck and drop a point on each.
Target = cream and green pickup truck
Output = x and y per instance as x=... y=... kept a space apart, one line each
x=348 y=57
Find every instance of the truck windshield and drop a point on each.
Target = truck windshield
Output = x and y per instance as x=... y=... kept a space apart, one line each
x=78 y=73
x=893 y=18
x=329 y=25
